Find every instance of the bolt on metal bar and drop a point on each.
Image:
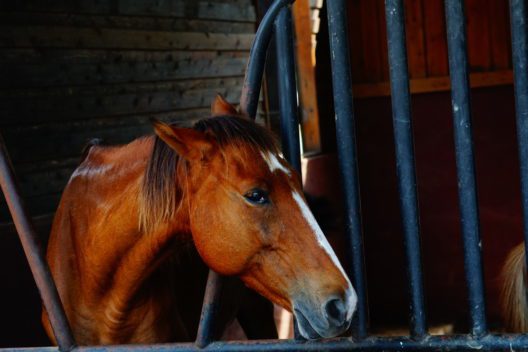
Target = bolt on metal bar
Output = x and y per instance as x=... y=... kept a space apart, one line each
x=467 y=190
x=287 y=89
x=404 y=145
x=257 y=58
x=519 y=32
x=347 y=155
x=34 y=253
x=210 y=307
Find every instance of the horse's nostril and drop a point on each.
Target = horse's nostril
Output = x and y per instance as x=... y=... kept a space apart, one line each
x=335 y=311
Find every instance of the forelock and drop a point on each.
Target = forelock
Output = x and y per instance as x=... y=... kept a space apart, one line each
x=238 y=132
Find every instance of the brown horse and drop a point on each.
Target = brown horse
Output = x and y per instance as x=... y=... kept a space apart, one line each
x=514 y=300
x=130 y=213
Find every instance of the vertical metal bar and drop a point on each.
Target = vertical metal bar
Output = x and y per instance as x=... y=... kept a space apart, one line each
x=287 y=92
x=34 y=253
x=257 y=58
x=346 y=148
x=467 y=191
x=248 y=105
x=519 y=30
x=210 y=307
x=287 y=89
x=271 y=96
x=403 y=138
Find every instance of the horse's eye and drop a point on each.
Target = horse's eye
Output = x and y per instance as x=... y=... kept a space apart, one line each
x=257 y=196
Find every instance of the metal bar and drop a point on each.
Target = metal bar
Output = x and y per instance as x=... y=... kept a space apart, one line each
x=257 y=58
x=519 y=30
x=467 y=191
x=287 y=89
x=248 y=105
x=34 y=253
x=288 y=105
x=436 y=343
x=271 y=96
x=346 y=149
x=207 y=328
x=403 y=138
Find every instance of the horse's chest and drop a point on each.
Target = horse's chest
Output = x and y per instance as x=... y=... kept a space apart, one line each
x=167 y=306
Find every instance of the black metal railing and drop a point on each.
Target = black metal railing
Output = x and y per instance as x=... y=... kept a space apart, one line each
x=403 y=137
x=519 y=32
x=278 y=19
x=347 y=154
x=467 y=189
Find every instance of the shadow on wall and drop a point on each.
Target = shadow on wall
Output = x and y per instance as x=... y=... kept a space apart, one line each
x=20 y=325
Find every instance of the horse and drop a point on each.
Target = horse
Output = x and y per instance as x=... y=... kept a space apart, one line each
x=514 y=301
x=129 y=214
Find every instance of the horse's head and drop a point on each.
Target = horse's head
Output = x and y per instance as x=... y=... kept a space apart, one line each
x=249 y=218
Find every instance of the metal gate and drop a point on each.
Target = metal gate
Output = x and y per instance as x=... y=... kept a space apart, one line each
x=278 y=20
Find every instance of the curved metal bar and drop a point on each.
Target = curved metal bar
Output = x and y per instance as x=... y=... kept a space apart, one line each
x=248 y=106
x=257 y=59
x=287 y=89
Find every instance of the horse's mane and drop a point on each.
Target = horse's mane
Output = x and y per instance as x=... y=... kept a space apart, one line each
x=162 y=188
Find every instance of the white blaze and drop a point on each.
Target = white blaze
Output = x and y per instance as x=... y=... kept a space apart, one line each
x=351 y=298
x=274 y=163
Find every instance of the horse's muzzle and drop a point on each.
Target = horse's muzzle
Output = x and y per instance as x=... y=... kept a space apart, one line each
x=329 y=319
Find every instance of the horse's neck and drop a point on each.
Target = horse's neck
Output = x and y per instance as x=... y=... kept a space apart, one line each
x=145 y=255
x=123 y=254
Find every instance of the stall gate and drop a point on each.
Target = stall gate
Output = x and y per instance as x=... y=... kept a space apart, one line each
x=278 y=20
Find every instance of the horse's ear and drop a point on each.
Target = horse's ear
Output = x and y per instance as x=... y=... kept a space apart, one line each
x=221 y=107
x=188 y=143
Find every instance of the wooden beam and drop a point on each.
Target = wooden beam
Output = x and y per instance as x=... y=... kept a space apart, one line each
x=414 y=30
x=59 y=74
x=72 y=56
x=478 y=35
x=46 y=110
x=500 y=40
x=233 y=11
x=125 y=22
x=102 y=38
x=305 y=55
x=435 y=39
x=435 y=84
